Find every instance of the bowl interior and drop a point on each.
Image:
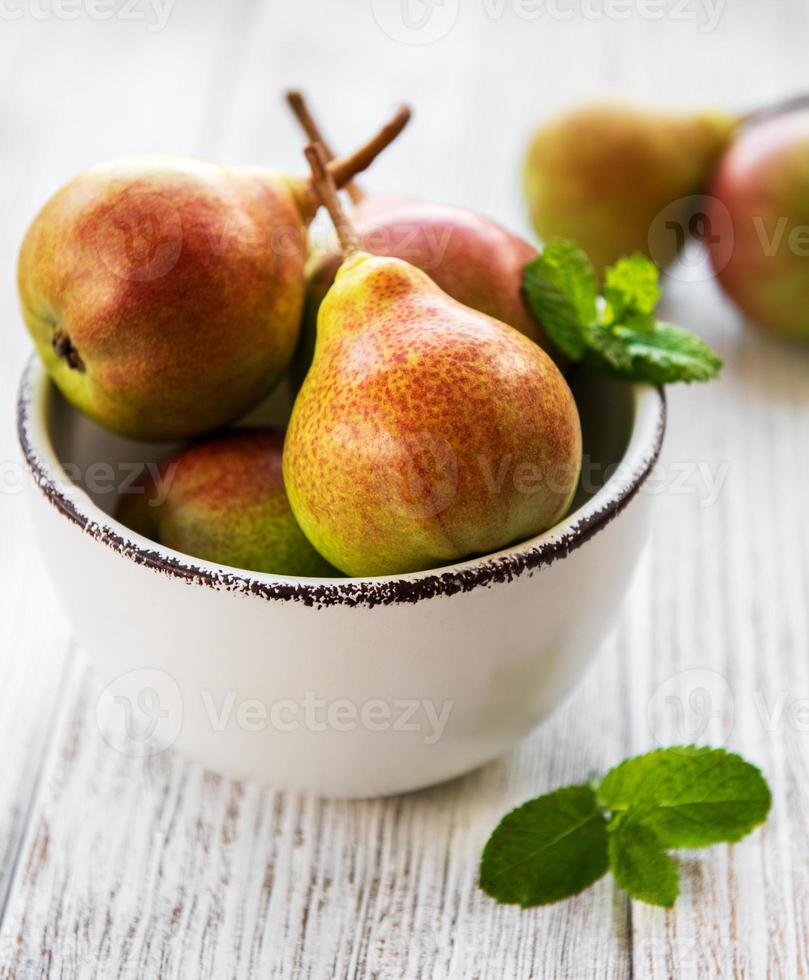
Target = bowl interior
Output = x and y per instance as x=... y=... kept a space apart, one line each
x=104 y=465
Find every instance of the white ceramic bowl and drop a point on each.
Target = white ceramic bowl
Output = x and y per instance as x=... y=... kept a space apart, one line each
x=340 y=687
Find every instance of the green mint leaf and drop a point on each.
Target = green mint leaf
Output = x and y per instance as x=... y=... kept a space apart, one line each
x=632 y=288
x=547 y=849
x=561 y=290
x=609 y=353
x=640 y=865
x=660 y=355
x=688 y=796
x=618 y=333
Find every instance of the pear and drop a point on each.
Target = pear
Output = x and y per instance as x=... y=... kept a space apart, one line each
x=617 y=178
x=471 y=257
x=164 y=295
x=759 y=219
x=425 y=431
x=223 y=500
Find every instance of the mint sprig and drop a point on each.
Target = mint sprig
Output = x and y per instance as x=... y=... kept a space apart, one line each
x=616 y=332
x=558 y=844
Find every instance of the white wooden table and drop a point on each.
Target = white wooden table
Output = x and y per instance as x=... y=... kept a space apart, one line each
x=116 y=867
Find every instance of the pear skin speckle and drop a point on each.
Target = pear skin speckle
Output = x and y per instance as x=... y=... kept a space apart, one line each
x=425 y=432
x=471 y=257
x=223 y=499
x=164 y=295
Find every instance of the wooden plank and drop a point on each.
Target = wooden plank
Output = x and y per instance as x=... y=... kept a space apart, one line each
x=153 y=867
x=30 y=674
x=728 y=610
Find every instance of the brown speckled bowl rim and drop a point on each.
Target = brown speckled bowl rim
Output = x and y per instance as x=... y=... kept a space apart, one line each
x=525 y=558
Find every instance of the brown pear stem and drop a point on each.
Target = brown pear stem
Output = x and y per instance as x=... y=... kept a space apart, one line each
x=342 y=170
x=300 y=109
x=325 y=186
x=775 y=109
x=345 y=168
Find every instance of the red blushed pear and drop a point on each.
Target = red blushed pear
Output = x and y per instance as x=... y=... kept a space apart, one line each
x=425 y=431
x=472 y=258
x=223 y=500
x=164 y=295
x=761 y=189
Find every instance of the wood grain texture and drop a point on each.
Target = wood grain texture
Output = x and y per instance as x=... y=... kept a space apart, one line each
x=147 y=868
x=184 y=874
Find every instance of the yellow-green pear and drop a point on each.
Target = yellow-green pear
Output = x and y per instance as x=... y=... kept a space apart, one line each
x=616 y=177
x=222 y=499
x=425 y=431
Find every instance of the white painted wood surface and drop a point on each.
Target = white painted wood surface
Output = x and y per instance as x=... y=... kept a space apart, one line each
x=114 y=866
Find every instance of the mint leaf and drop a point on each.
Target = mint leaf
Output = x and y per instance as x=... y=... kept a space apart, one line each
x=608 y=353
x=632 y=288
x=688 y=796
x=566 y=265
x=619 y=333
x=641 y=866
x=561 y=290
x=664 y=354
x=547 y=849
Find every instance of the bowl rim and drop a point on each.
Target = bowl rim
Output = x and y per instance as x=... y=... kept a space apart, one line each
x=639 y=458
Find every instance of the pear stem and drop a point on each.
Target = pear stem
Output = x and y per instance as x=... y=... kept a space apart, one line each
x=324 y=184
x=775 y=109
x=345 y=168
x=300 y=109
